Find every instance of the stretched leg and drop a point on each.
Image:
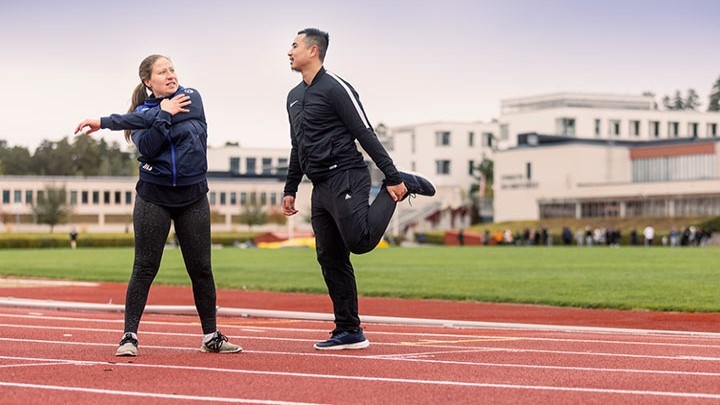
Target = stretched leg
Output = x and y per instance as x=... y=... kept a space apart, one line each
x=192 y=226
x=334 y=259
x=152 y=224
x=361 y=225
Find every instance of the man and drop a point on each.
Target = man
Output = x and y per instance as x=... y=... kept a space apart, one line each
x=326 y=118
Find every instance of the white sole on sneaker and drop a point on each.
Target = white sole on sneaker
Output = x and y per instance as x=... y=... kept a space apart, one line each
x=126 y=351
x=350 y=346
x=206 y=350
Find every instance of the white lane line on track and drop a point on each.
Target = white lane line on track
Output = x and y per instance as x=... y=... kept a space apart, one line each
x=401 y=358
x=149 y=394
x=34 y=364
x=411 y=381
x=283 y=339
x=435 y=335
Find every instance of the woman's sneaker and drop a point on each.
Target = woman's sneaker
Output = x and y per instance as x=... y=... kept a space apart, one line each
x=128 y=346
x=219 y=344
x=417 y=184
x=344 y=340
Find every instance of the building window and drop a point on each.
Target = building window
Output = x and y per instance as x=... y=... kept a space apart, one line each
x=712 y=130
x=96 y=197
x=250 y=165
x=614 y=127
x=253 y=198
x=412 y=142
x=128 y=197
x=85 y=198
x=243 y=198
x=267 y=166
x=504 y=132
x=442 y=167
x=17 y=196
x=597 y=127
x=471 y=139
x=273 y=198
x=233 y=198
x=106 y=197
x=673 y=129
x=118 y=198
x=6 y=197
x=693 y=129
x=29 y=197
x=487 y=139
x=213 y=197
x=263 y=198
x=282 y=166
x=471 y=167
x=235 y=165
x=566 y=126
x=528 y=171
x=40 y=196
x=635 y=128
x=223 y=198
x=654 y=129
x=73 y=197
x=442 y=138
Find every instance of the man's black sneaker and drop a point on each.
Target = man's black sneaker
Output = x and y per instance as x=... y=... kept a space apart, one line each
x=128 y=346
x=344 y=340
x=219 y=344
x=417 y=184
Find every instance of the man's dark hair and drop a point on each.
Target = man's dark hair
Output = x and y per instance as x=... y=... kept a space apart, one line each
x=316 y=37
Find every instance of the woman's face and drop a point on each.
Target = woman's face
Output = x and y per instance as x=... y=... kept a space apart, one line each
x=163 y=81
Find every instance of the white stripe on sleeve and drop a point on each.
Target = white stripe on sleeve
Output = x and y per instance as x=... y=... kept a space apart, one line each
x=352 y=97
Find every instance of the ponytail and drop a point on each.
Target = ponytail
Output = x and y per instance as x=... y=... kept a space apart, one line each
x=140 y=93
x=139 y=96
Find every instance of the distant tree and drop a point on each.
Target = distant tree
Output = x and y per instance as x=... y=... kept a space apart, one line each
x=714 y=101
x=486 y=168
x=16 y=161
x=692 y=100
x=252 y=214
x=86 y=156
x=678 y=103
x=666 y=103
x=52 y=209
x=53 y=158
x=228 y=143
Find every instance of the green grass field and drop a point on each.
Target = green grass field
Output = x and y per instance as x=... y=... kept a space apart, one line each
x=661 y=279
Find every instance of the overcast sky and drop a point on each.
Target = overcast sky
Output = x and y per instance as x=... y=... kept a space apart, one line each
x=411 y=61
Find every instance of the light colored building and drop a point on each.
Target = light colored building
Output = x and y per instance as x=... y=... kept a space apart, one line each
x=248 y=161
x=614 y=124
x=556 y=177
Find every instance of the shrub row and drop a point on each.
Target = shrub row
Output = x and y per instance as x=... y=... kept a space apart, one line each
x=37 y=241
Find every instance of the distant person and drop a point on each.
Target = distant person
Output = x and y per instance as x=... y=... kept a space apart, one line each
x=566 y=236
x=633 y=237
x=461 y=237
x=486 y=237
x=73 y=238
x=168 y=128
x=326 y=118
x=649 y=234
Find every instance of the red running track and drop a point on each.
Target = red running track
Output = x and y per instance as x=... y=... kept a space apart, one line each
x=61 y=356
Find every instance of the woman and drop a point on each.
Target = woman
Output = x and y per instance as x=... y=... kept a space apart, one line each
x=169 y=129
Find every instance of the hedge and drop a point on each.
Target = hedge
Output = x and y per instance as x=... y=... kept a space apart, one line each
x=46 y=240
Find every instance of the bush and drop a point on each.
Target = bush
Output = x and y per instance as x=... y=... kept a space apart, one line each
x=38 y=241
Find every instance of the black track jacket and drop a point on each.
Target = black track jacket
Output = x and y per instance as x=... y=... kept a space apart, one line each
x=325 y=119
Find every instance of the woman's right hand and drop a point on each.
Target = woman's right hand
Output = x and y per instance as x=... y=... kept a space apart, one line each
x=93 y=125
x=176 y=104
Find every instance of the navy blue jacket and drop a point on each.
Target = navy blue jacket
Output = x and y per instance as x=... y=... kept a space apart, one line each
x=173 y=149
x=326 y=118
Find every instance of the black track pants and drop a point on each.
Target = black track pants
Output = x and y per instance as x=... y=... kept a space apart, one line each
x=344 y=222
x=192 y=226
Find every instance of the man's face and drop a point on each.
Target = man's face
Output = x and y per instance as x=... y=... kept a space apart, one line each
x=299 y=53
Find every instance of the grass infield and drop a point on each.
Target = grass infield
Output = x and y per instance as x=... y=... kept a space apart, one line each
x=659 y=279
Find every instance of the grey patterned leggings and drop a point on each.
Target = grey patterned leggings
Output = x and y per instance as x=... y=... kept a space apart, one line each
x=152 y=225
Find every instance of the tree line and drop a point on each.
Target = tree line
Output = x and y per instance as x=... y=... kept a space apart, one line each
x=691 y=100
x=84 y=156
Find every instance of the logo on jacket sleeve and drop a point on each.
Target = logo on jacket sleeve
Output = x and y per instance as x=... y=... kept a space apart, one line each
x=147 y=167
x=293 y=103
x=189 y=91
